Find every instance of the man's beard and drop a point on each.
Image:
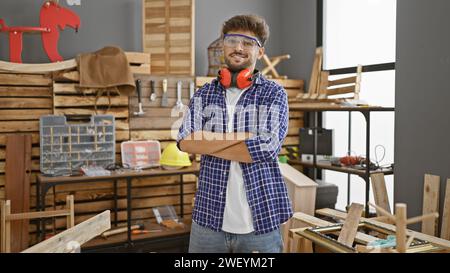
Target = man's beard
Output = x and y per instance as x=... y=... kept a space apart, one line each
x=237 y=68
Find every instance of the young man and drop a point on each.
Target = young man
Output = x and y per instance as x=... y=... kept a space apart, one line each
x=238 y=123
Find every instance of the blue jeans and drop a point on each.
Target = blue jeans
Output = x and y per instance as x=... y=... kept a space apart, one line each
x=205 y=240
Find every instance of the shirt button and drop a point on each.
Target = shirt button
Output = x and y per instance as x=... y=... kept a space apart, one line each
x=224 y=173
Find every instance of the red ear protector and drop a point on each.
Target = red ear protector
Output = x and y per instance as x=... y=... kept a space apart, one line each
x=241 y=79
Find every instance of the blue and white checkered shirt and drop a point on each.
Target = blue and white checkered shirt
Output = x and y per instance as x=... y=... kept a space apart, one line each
x=263 y=111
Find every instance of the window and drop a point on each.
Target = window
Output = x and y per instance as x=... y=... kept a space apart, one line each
x=361 y=32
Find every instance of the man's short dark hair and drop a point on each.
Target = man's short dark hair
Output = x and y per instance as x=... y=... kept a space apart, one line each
x=252 y=23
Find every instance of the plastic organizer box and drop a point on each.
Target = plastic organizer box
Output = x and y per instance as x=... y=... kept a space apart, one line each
x=66 y=147
x=141 y=154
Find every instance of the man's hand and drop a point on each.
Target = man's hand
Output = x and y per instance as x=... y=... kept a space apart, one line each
x=230 y=146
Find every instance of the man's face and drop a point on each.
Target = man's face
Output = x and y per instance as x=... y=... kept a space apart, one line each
x=241 y=56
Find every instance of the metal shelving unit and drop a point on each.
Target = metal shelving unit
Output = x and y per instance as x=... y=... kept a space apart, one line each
x=314 y=109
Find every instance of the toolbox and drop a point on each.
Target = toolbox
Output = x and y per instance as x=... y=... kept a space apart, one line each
x=66 y=147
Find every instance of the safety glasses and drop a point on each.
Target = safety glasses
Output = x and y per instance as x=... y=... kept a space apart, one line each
x=248 y=42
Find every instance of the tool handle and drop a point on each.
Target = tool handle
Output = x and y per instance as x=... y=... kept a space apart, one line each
x=164 y=83
x=179 y=86
x=152 y=86
x=138 y=89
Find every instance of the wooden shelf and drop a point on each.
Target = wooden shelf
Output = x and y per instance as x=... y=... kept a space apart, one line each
x=328 y=166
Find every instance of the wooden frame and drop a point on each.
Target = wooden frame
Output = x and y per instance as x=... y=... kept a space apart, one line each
x=322 y=236
x=433 y=240
x=270 y=66
x=168 y=34
x=7 y=217
x=320 y=86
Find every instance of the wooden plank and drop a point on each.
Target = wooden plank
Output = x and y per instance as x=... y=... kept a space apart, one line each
x=35 y=165
x=291 y=140
x=445 y=229
x=156 y=112
x=315 y=72
x=347 y=80
x=80 y=233
x=323 y=83
x=24 y=91
x=37 y=214
x=5 y=227
x=17 y=188
x=122 y=125
x=316 y=222
x=296 y=114
x=24 y=114
x=400 y=223
x=138 y=123
x=22 y=126
x=138 y=58
x=38 y=103
x=141 y=69
x=302 y=193
x=118 y=112
x=137 y=203
x=171 y=92
x=341 y=90
x=73 y=101
x=380 y=192
x=350 y=227
x=37 y=68
x=430 y=203
x=25 y=79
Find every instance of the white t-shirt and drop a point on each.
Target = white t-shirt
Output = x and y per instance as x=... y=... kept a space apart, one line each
x=237 y=216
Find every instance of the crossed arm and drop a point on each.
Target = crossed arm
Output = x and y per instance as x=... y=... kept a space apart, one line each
x=241 y=146
x=230 y=146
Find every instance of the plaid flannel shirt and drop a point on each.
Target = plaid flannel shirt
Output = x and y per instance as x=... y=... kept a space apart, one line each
x=263 y=111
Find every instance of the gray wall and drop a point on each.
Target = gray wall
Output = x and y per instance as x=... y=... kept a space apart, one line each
x=422 y=120
x=118 y=22
x=292 y=26
x=298 y=21
x=103 y=22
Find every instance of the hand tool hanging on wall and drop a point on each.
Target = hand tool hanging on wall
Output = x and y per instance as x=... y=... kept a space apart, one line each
x=152 y=91
x=164 y=100
x=179 y=101
x=138 y=89
x=191 y=89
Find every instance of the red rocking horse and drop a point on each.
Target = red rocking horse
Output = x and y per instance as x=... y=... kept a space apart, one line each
x=53 y=18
